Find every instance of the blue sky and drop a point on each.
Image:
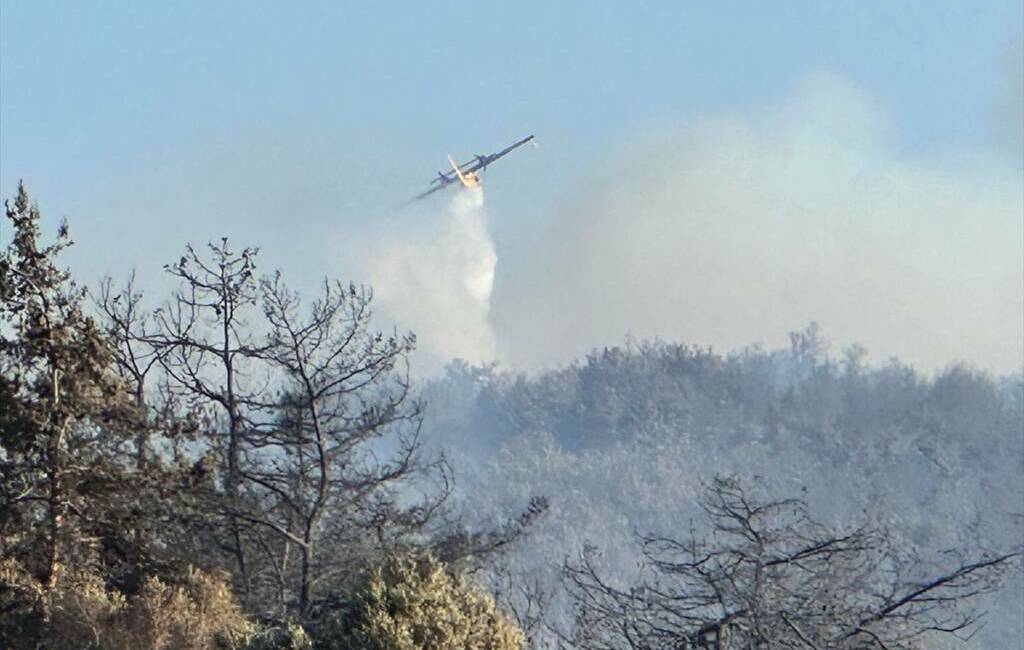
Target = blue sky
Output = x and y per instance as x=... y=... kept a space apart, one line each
x=151 y=124
x=95 y=90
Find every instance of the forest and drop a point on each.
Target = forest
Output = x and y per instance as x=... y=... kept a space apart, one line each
x=238 y=466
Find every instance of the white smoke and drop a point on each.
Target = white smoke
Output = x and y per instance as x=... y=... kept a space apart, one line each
x=435 y=277
x=740 y=228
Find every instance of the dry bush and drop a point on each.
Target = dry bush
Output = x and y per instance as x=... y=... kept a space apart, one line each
x=195 y=612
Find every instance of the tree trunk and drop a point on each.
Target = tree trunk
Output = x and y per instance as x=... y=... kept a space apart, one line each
x=54 y=470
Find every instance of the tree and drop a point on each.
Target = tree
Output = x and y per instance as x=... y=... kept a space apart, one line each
x=316 y=472
x=58 y=392
x=205 y=347
x=767 y=575
x=126 y=322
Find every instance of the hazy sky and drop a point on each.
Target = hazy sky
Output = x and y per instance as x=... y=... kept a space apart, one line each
x=300 y=128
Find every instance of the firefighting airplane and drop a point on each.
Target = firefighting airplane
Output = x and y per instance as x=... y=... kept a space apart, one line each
x=466 y=173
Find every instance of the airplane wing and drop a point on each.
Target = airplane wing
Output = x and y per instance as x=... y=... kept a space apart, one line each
x=427 y=193
x=487 y=160
x=481 y=162
x=440 y=182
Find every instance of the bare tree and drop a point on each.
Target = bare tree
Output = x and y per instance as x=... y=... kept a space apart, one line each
x=339 y=443
x=206 y=349
x=162 y=512
x=767 y=575
x=128 y=326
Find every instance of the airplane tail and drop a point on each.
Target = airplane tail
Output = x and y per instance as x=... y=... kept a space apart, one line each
x=458 y=172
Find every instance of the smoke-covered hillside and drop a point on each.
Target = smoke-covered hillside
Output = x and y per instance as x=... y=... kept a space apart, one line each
x=621 y=442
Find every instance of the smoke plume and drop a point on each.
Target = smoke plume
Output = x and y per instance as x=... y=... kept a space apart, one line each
x=435 y=277
x=740 y=228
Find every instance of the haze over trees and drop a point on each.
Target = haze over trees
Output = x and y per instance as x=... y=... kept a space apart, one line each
x=237 y=466
x=766 y=574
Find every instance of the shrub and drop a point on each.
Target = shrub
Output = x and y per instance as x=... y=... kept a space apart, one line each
x=195 y=612
x=289 y=637
x=415 y=603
